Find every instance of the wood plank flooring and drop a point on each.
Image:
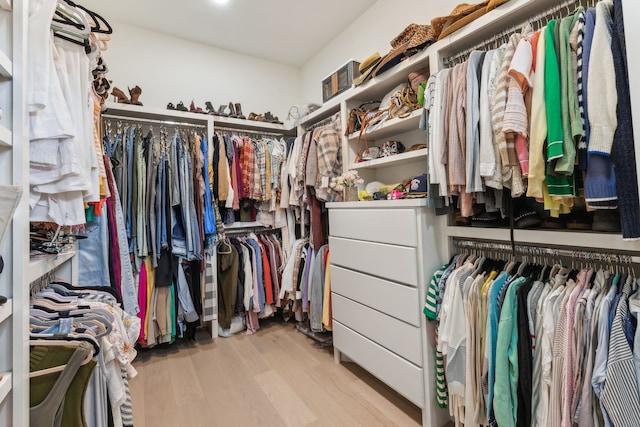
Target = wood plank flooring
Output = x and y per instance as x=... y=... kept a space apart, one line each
x=277 y=377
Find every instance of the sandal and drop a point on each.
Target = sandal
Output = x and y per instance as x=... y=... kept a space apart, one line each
x=170 y=106
x=181 y=107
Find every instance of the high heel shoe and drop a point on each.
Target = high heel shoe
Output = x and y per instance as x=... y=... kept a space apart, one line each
x=239 y=112
x=135 y=94
x=210 y=109
x=121 y=98
x=232 y=110
x=194 y=109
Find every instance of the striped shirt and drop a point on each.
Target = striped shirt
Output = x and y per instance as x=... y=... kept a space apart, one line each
x=620 y=396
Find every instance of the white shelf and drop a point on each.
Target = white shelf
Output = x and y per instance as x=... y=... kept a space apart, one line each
x=392 y=127
x=386 y=204
x=395 y=160
x=241 y=225
x=246 y=124
x=6 y=310
x=5 y=385
x=514 y=12
x=329 y=108
x=578 y=239
x=142 y=112
x=38 y=267
x=6 y=4
x=6 y=66
x=6 y=137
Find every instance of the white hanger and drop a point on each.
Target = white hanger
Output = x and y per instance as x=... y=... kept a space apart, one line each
x=59 y=368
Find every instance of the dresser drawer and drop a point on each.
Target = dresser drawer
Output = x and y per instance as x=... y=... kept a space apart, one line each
x=392 y=334
x=397 y=263
x=399 y=301
x=404 y=377
x=394 y=226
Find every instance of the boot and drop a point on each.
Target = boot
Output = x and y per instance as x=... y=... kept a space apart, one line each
x=210 y=109
x=232 y=110
x=239 y=112
x=135 y=94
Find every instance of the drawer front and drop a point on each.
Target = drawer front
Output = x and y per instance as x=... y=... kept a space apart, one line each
x=399 y=301
x=397 y=373
x=393 y=226
x=392 y=334
x=396 y=263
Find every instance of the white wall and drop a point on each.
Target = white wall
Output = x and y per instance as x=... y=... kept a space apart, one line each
x=370 y=33
x=170 y=69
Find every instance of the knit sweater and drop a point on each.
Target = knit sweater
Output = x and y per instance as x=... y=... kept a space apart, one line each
x=623 y=147
x=603 y=97
x=538 y=132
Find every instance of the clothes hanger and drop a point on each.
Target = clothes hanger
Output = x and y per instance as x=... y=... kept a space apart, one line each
x=228 y=244
x=59 y=368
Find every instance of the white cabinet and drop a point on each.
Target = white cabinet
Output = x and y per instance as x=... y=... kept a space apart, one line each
x=381 y=255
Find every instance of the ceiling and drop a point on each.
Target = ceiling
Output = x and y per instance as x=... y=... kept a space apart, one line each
x=288 y=32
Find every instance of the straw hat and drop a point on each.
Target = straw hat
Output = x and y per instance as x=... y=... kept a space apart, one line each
x=461 y=15
x=366 y=68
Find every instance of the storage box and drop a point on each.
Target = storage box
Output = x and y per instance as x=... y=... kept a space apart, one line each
x=340 y=80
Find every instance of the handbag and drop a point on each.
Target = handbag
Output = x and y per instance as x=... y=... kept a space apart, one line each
x=358 y=116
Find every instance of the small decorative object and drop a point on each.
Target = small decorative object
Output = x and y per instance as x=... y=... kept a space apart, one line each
x=347 y=185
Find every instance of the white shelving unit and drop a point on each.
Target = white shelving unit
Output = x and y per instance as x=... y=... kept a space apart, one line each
x=39 y=266
x=5 y=385
x=14 y=156
x=395 y=160
x=6 y=310
x=6 y=137
x=209 y=121
x=398 y=167
x=6 y=67
x=391 y=127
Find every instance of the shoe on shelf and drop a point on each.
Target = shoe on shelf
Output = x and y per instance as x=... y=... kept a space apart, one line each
x=239 y=111
x=135 y=94
x=232 y=110
x=121 y=98
x=210 y=109
x=221 y=111
x=194 y=109
x=170 y=106
x=252 y=116
x=181 y=107
x=271 y=118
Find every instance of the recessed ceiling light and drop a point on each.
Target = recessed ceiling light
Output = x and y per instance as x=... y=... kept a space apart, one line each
x=221 y=2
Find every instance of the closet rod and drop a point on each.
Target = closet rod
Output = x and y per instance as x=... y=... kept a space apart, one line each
x=135 y=120
x=324 y=121
x=504 y=35
x=533 y=250
x=240 y=132
x=241 y=231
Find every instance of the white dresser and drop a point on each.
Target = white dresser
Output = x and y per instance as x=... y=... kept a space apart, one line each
x=382 y=253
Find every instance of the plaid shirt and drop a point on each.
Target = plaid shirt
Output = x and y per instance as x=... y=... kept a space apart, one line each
x=266 y=191
x=259 y=172
x=247 y=162
x=329 y=140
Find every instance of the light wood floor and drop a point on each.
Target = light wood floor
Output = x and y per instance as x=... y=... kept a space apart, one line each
x=274 y=378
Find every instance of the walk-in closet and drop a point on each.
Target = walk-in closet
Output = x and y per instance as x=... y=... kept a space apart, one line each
x=283 y=213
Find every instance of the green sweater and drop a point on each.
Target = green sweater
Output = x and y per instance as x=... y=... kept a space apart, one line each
x=505 y=399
